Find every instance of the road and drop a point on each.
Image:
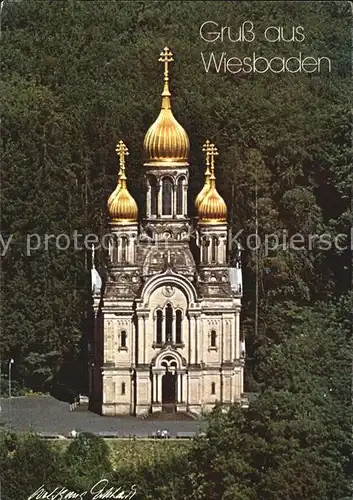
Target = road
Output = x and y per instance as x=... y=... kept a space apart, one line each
x=44 y=414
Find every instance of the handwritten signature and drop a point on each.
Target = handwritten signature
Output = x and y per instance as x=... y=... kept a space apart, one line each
x=98 y=491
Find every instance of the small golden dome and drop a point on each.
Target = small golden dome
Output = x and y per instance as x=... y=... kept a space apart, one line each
x=166 y=142
x=122 y=208
x=212 y=209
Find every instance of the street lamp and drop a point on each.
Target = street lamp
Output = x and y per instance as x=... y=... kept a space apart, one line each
x=11 y=362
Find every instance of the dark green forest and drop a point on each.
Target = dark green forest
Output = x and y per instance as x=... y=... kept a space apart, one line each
x=77 y=76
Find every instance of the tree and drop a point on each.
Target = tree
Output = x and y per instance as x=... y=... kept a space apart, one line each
x=87 y=459
x=27 y=463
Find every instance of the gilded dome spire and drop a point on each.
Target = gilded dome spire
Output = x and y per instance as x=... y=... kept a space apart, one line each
x=122 y=208
x=213 y=209
x=206 y=187
x=166 y=142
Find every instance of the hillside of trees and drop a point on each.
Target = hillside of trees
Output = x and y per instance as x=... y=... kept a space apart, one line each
x=77 y=77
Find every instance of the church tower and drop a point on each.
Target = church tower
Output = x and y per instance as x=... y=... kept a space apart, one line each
x=167 y=328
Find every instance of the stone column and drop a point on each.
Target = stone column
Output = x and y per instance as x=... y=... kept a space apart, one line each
x=153 y=388
x=202 y=339
x=159 y=387
x=197 y=343
x=132 y=343
x=174 y=200
x=185 y=388
x=217 y=250
x=222 y=246
x=144 y=338
x=118 y=242
x=237 y=334
x=159 y=198
x=232 y=337
x=115 y=248
x=174 y=328
x=185 y=197
x=241 y=380
x=148 y=200
x=132 y=392
x=191 y=339
x=140 y=323
x=110 y=249
x=180 y=397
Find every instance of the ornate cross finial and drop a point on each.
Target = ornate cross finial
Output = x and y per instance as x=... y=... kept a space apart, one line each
x=166 y=57
x=213 y=151
x=122 y=151
x=206 y=149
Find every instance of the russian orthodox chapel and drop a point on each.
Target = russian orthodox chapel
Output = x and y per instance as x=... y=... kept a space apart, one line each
x=167 y=320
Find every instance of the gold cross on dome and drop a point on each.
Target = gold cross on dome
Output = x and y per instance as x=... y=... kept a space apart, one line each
x=206 y=149
x=213 y=152
x=122 y=151
x=166 y=57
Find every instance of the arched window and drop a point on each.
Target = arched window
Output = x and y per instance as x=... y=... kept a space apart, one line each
x=124 y=244
x=179 y=196
x=167 y=194
x=213 y=338
x=169 y=323
x=123 y=388
x=178 y=320
x=154 y=195
x=123 y=339
x=213 y=388
x=214 y=250
x=159 y=322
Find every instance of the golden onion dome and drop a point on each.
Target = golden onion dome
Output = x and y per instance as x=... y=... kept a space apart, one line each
x=122 y=207
x=213 y=208
x=166 y=143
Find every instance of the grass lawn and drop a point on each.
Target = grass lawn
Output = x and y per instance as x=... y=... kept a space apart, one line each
x=133 y=454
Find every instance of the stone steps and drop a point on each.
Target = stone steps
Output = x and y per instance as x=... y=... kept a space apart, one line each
x=164 y=416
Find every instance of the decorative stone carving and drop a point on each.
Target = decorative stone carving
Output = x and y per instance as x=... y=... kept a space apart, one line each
x=213 y=322
x=123 y=322
x=168 y=291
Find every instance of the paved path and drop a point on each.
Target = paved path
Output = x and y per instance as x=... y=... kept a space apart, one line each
x=47 y=415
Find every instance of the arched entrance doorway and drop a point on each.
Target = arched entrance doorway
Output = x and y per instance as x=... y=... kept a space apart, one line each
x=169 y=384
x=169 y=388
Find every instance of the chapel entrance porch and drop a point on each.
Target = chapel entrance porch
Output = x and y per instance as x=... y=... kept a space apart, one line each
x=169 y=383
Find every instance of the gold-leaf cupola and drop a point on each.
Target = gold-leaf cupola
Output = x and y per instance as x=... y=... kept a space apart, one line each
x=200 y=197
x=213 y=209
x=166 y=143
x=122 y=208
